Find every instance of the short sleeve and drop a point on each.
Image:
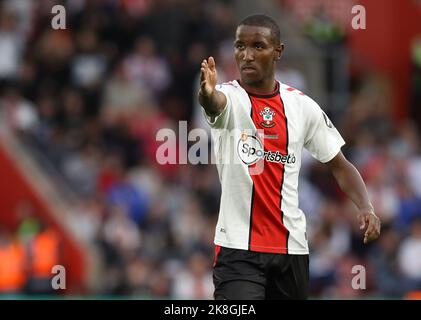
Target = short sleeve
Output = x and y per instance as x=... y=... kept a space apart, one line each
x=323 y=140
x=220 y=121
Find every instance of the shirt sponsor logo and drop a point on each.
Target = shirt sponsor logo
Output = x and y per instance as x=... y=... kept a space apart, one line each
x=250 y=150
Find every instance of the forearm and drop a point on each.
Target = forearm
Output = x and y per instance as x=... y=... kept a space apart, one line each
x=351 y=182
x=213 y=103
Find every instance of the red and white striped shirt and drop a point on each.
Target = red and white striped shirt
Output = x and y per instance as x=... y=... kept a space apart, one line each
x=258 y=140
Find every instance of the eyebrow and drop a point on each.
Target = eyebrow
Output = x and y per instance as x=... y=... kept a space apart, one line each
x=259 y=42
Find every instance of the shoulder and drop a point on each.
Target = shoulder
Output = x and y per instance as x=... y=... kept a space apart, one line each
x=233 y=90
x=228 y=86
x=298 y=99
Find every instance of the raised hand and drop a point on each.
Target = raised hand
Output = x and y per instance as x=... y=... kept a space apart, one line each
x=208 y=77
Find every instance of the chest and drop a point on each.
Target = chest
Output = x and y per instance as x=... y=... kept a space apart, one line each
x=278 y=125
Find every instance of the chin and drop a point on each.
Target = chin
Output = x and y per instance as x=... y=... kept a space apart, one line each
x=250 y=80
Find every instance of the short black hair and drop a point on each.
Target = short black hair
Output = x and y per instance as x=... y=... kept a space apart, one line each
x=261 y=20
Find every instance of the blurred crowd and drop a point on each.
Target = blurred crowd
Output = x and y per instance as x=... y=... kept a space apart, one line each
x=28 y=255
x=90 y=99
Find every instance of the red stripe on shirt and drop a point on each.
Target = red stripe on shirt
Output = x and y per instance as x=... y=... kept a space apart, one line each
x=267 y=231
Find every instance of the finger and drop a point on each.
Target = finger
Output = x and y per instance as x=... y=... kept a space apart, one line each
x=369 y=236
x=211 y=63
x=204 y=68
x=202 y=85
x=367 y=231
x=373 y=236
x=372 y=231
x=202 y=76
x=203 y=71
x=370 y=228
x=361 y=220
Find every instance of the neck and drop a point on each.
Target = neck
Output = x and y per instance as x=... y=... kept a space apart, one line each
x=263 y=87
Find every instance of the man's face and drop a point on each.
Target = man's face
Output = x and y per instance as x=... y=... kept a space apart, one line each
x=255 y=53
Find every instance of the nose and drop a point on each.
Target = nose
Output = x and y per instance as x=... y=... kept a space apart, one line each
x=248 y=55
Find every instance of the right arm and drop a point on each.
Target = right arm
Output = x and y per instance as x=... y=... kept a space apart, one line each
x=212 y=100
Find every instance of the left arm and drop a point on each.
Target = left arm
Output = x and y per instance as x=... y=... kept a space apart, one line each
x=351 y=182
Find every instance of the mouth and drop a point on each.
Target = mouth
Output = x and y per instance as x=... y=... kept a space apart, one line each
x=248 y=69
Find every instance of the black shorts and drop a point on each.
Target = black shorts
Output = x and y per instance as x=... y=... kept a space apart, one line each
x=246 y=275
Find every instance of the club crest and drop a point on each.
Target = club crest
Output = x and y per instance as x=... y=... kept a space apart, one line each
x=267 y=115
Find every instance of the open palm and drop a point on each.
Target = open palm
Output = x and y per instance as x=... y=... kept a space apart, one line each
x=208 y=76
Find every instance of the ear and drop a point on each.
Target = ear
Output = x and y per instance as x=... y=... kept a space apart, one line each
x=278 y=51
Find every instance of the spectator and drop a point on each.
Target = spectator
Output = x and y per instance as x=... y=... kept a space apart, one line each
x=44 y=253
x=11 y=46
x=13 y=266
x=196 y=281
x=389 y=279
x=410 y=255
